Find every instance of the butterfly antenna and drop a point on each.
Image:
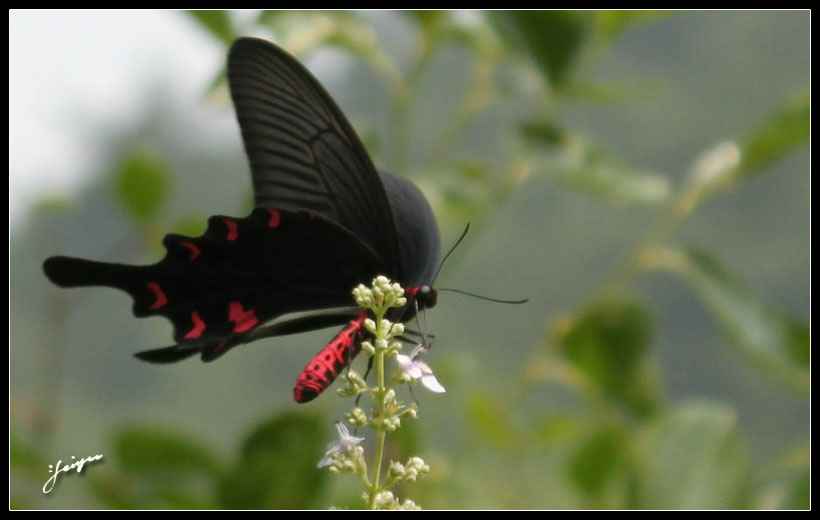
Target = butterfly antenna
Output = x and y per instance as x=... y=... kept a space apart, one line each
x=463 y=234
x=496 y=300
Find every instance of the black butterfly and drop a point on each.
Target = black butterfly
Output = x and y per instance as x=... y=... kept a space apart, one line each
x=326 y=219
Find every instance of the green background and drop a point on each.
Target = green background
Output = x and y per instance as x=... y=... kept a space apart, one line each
x=662 y=360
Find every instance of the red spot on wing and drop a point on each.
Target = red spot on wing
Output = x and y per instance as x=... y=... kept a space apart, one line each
x=157 y=290
x=233 y=228
x=193 y=247
x=199 y=326
x=412 y=291
x=275 y=218
x=245 y=320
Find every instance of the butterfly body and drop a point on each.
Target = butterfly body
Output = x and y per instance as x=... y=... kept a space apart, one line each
x=325 y=221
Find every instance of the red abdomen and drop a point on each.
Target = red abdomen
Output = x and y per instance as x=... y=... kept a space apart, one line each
x=325 y=366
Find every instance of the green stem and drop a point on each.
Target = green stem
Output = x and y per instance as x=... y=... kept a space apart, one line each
x=639 y=260
x=382 y=393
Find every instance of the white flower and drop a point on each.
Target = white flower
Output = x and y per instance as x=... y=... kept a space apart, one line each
x=415 y=369
x=344 y=445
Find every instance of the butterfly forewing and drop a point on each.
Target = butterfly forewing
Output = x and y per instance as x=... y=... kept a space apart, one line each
x=303 y=153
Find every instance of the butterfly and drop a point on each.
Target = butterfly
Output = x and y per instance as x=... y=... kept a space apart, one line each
x=325 y=220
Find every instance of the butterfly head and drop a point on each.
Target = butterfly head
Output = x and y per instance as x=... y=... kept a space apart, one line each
x=426 y=297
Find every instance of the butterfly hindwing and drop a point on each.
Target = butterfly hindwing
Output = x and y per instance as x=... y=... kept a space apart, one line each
x=242 y=272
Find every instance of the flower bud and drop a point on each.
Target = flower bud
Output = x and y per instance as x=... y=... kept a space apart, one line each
x=392 y=423
x=397 y=329
x=396 y=471
x=356 y=418
x=370 y=325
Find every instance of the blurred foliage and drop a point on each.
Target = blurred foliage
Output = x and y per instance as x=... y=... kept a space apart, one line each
x=141 y=185
x=155 y=468
x=626 y=446
x=273 y=471
x=771 y=340
x=552 y=39
x=787 y=129
x=609 y=344
x=218 y=23
x=692 y=458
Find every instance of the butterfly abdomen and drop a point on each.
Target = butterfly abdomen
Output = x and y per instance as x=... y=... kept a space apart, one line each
x=325 y=366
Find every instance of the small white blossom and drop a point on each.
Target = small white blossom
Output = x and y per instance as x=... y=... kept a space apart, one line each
x=410 y=412
x=385 y=500
x=409 y=505
x=346 y=444
x=413 y=368
x=357 y=417
x=391 y=423
x=415 y=467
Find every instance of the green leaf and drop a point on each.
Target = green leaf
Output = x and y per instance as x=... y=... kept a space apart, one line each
x=609 y=343
x=218 y=23
x=798 y=493
x=596 y=461
x=613 y=23
x=552 y=39
x=692 y=458
x=269 y=17
x=543 y=132
x=575 y=162
x=141 y=185
x=277 y=466
x=427 y=19
x=558 y=427
x=160 y=454
x=56 y=204
x=404 y=442
x=613 y=182
x=303 y=31
x=489 y=420
x=117 y=491
x=25 y=456
x=776 y=343
x=789 y=480
x=788 y=128
x=191 y=225
x=610 y=91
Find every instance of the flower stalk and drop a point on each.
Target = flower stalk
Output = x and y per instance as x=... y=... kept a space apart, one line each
x=387 y=411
